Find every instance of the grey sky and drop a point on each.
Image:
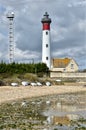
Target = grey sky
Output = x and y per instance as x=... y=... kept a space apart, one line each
x=68 y=29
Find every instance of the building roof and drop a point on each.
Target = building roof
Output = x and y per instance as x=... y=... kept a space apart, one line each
x=60 y=63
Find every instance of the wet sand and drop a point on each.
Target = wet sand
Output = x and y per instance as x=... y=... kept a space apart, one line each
x=9 y=93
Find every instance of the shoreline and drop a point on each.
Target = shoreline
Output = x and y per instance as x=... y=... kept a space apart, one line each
x=9 y=93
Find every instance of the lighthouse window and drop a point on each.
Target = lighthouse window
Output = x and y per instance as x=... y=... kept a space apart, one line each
x=46 y=33
x=46 y=58
x=46 y=45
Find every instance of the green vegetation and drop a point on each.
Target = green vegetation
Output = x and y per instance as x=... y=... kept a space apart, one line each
x=23 y=68
x=15 y=72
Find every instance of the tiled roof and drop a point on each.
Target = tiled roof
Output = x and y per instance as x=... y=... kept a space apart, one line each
x=60 y=63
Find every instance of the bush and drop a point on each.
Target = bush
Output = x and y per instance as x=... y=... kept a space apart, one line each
x=2 y=83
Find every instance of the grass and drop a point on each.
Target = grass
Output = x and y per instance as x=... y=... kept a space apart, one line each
x=7 y=79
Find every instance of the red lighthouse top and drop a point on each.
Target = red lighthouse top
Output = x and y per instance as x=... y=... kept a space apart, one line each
x=46 y=21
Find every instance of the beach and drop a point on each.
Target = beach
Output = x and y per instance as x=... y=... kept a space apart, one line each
x=9 y=93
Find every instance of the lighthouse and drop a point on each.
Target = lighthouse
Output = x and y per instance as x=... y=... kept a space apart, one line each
x=46 y=58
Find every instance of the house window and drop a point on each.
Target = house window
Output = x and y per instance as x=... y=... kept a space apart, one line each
x=46 y=58
x=72 y=66
x=46 y=33
x=64 y=69
x=46 y=45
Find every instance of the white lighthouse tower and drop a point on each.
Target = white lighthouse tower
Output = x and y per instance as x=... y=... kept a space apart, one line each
x=46 y=58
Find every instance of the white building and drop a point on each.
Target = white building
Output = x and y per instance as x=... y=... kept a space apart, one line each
x=46 y=56
x=64 y=65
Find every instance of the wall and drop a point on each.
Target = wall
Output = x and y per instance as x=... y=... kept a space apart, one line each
x=67 y=75
x=72 y=67
x=57 y=69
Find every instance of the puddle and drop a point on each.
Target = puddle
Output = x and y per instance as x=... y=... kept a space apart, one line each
x=66 y=115
x=56 y=112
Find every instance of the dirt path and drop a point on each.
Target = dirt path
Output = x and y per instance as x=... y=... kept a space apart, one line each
x=8 y=93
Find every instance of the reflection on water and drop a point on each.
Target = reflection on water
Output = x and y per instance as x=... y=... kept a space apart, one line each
x=64 y=110
x=61 y=109
x=63 y=113
x=56 y=112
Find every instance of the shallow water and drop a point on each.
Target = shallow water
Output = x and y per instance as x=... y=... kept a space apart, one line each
x=60 y=111
x=56 y=112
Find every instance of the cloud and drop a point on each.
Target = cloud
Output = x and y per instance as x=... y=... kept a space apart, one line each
x=68 y=28
x=25 y=55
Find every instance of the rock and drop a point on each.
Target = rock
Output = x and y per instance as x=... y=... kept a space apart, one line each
x=50 y=119
x=24 y=83
x=47 y=102
x=23 y=104
x=33 y=84
x=39 y=84
x=48 y=84
x=14 y=84
x=58 y=80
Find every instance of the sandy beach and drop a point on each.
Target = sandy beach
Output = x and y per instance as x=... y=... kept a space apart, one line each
x=9 y=93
